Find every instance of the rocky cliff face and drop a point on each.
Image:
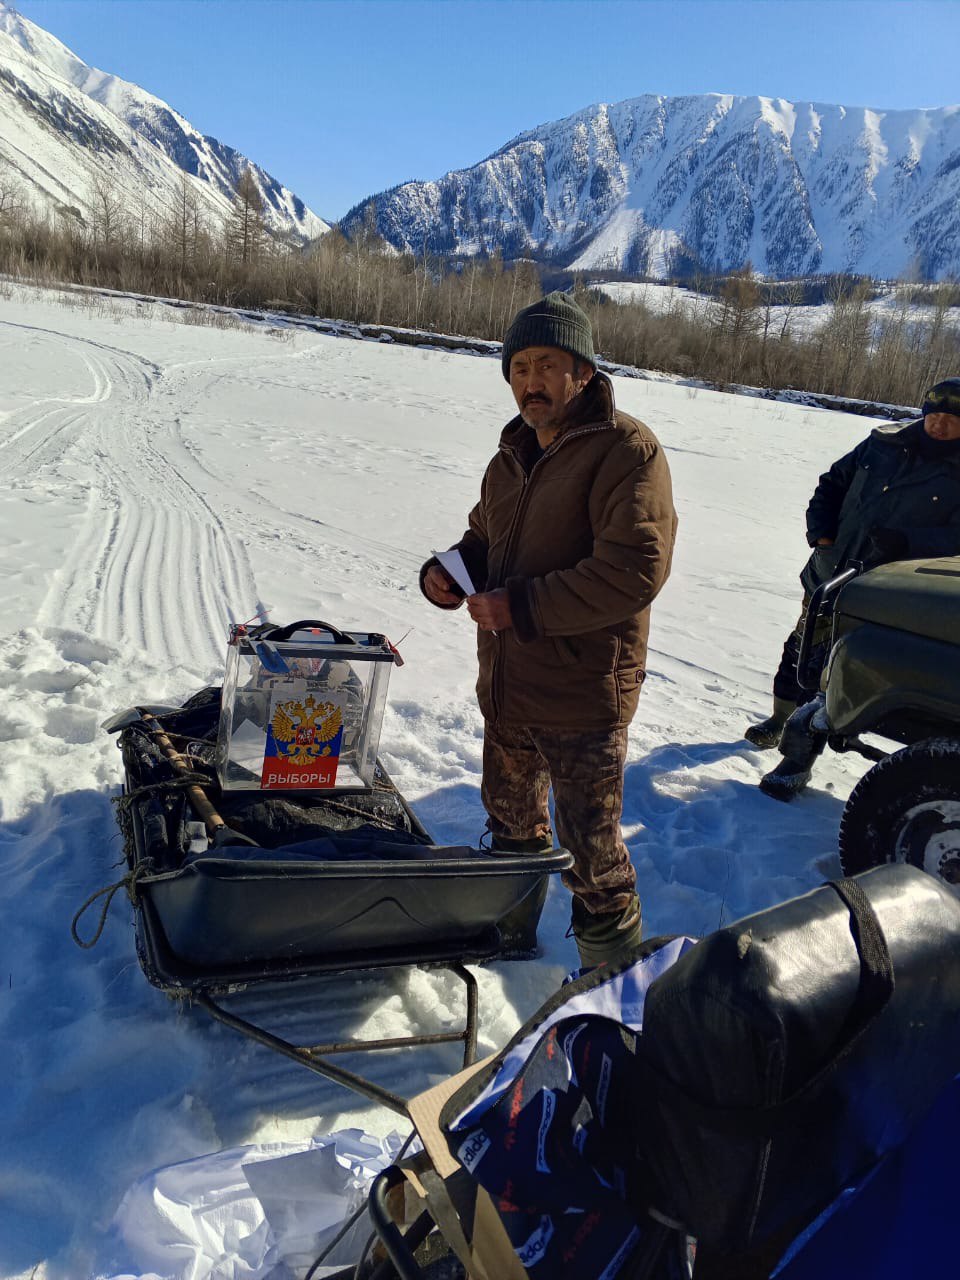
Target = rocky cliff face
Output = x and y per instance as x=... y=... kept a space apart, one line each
x=655 y=185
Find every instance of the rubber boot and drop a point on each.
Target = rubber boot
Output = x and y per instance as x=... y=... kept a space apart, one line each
x=803 y=739
x=767 y=732
x=518 y=928
x=605 y=939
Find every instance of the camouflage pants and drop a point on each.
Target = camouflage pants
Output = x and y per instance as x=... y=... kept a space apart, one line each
x=785 y=680
x=586 y=773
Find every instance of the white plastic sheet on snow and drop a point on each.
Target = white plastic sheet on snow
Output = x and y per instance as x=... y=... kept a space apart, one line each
x=247 y=1211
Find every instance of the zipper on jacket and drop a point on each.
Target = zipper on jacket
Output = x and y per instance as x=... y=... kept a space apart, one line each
x=550 y=451
x=496 y=667
x=496 y=673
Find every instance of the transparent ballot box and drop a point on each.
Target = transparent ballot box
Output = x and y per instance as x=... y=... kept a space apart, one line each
x=302 y=707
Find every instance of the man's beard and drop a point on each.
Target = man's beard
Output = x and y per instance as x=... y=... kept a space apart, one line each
x=549 y=413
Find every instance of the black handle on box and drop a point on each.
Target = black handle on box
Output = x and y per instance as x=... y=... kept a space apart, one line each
x=284 y=633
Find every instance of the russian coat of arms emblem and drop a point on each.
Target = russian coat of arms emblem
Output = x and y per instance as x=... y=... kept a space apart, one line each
x=304 y=737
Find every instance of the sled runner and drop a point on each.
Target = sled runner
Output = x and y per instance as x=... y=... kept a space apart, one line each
x=237 y=887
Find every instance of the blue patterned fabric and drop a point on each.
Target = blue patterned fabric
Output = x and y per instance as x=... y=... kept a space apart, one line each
x=552 y=1138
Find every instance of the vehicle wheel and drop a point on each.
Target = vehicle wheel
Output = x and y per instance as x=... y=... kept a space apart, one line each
x=907 y=809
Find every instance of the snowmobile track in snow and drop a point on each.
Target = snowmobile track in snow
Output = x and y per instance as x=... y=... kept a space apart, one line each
x=153 y=564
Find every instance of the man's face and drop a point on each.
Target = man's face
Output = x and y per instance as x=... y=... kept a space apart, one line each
x=544 y=380
x=938 y=426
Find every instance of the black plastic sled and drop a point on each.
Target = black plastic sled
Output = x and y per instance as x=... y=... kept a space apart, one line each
x=298 y=884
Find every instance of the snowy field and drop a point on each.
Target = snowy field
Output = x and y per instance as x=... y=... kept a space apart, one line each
x=801 y=322
x=161 y=480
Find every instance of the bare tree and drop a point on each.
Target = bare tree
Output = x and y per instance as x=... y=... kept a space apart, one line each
x=738 y=320
x=13 y=200
x=109 y=225
x=246 y=230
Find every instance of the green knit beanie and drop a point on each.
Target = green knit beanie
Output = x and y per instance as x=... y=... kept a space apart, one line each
x=554 y=321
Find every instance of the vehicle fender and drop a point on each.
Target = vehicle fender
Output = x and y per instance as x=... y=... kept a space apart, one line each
x=876 y=672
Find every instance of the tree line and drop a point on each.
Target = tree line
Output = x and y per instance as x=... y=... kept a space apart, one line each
x=730 y=330
x=744 y=332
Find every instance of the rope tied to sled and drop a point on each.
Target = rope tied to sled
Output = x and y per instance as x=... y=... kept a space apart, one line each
x=128 y=882
x=124 y=801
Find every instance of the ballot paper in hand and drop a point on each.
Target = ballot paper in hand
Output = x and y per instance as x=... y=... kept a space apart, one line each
x=452 y=561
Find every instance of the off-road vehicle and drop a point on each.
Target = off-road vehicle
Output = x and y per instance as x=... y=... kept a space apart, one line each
x=894 y=670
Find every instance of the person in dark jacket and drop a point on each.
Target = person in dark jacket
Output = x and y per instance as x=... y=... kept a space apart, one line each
x=896 y=496
x=569 y=544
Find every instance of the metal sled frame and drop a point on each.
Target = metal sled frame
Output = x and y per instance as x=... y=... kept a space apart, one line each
x=314 y=1057
x=208 y=931
x=398 y=1245
x=208 y=988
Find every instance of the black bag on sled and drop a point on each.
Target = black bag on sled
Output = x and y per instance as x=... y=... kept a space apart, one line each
x=729 y=1089
x=783 y=1056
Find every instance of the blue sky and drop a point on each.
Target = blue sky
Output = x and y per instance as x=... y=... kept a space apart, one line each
x=342 y=98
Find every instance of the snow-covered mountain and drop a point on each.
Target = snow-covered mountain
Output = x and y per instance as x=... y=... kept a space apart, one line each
x=656 y=184
x=67 y=130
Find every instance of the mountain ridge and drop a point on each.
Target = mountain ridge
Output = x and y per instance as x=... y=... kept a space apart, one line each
x=135 y=142
x=658 y=185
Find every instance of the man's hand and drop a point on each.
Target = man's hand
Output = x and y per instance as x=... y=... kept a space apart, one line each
x=438 y=585
x=490 y=610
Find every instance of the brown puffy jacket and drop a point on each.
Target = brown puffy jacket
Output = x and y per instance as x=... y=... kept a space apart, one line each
x=581 y=537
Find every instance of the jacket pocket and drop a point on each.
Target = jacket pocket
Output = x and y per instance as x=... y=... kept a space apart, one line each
x=629 y=679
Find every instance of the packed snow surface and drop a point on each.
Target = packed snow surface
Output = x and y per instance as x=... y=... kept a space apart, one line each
x=162 y=479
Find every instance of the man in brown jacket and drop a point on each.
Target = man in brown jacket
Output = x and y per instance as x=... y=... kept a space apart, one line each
x=569 y=544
